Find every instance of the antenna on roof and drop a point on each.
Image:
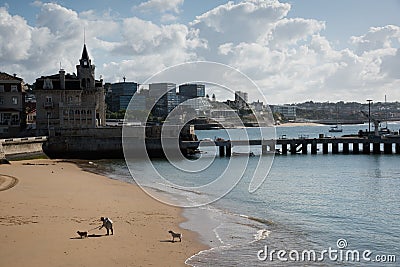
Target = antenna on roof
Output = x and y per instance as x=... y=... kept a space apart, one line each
x=84 y=35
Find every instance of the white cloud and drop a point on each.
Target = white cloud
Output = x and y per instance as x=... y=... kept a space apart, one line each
x=161 y=6
x=289 y=58
x=290 y=31
x=245 y=21
x=165 y=18
x=15 y=37
x=391 y=65
x=146 y=38
x=57 y=38
x=377 y=38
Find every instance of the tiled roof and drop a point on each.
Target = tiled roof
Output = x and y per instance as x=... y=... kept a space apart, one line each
x=5 y=76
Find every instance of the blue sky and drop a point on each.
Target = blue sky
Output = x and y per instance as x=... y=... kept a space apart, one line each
x=294 y=50
x=346 y=18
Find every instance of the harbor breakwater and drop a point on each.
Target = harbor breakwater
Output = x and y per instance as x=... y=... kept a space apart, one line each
x=16 y=147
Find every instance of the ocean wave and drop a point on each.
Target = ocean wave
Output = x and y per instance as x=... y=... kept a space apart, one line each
x=182 y=189
x=256 y=219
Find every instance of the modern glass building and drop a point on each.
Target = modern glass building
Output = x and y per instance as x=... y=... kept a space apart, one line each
x=121 y=94
x=164 y=97
x=188 y=91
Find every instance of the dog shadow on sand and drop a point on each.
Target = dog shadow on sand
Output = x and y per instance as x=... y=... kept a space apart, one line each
x=169 y=241
x=92 y=235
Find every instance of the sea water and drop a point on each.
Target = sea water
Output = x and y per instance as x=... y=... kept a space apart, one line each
x=311 y=210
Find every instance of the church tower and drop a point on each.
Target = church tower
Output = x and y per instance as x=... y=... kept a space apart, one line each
x=85 y=71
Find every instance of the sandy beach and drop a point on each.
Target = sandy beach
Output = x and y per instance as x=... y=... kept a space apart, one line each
x=44 y=203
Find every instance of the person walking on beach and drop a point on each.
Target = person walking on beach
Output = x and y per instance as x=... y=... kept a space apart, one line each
x=108 y=224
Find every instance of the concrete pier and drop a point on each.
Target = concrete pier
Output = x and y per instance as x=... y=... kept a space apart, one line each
x=14 y=147
x=304 y=149
x=344 y=145
x=387 y=148
x=229 y=150
x=335 y=148
x=397 y=148
x=346 y=148
x=356 y=148
x=314 y=148
x=376 y=148
x=284 y=149
x=221 y=151
x=366 y=148
x=325 y=148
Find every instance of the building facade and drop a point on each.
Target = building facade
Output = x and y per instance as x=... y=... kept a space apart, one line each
x=241 y=99
x=257 y=106
x=69 y=101
x=12 y=105
x=189 y=91
x=120 y=95
x=165 y=98
x=289 y=112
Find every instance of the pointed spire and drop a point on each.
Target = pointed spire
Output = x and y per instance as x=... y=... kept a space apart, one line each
x=85 y=54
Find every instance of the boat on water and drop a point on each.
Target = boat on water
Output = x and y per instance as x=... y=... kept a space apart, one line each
x=336 y=129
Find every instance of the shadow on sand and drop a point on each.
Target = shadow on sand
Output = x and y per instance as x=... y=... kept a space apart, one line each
x=92 y=235
x=168 y=241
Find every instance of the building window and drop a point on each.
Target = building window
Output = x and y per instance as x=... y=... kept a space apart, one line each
x=14 y=100
x=14 y=119
x=5 y=118
x=14 y=88
x=49 y=99
x=1 y=100
x=1 y=88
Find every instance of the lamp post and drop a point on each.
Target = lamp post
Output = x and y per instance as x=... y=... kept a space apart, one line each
x=369 y=115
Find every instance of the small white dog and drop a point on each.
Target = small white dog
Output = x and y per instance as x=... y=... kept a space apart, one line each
x=175 y=235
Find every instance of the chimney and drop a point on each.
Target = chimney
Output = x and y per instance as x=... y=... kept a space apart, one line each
x=62 y=79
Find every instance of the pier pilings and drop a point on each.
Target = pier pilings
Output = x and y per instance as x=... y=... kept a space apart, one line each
x=344 y=145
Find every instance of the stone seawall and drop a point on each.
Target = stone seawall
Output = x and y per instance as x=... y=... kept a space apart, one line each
x=21 y=146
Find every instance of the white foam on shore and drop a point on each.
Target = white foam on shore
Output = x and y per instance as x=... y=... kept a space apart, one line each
x=261 y=235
